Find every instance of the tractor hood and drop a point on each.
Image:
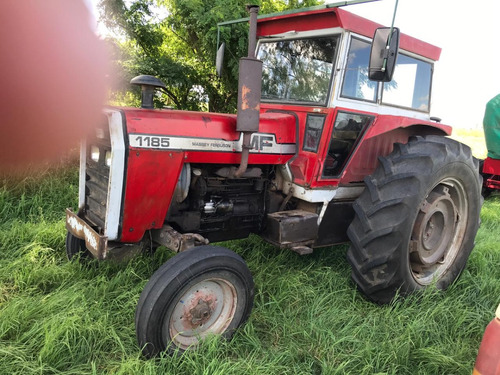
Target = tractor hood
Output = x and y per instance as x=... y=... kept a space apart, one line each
x=202 y=131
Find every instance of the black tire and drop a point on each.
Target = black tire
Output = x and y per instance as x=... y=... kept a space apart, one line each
x=416 y=221
x=76 y=247
x=181 y=302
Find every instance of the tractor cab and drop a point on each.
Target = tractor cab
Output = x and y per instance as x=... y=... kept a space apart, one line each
x=316 y=67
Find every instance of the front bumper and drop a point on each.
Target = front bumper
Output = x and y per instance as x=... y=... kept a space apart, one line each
x=94 y=242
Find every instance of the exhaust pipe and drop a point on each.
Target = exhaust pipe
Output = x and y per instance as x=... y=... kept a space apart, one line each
x=249 y=88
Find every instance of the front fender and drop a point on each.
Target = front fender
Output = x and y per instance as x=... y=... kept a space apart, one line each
x=151 y=178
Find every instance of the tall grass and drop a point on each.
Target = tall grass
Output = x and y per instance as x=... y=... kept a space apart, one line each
x=58 y=317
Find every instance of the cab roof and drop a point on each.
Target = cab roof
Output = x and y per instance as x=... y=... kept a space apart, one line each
x=325 y=17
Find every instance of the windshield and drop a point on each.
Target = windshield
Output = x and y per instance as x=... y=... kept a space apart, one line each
x=297 y=70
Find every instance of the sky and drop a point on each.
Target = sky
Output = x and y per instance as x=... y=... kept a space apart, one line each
x=468 y=72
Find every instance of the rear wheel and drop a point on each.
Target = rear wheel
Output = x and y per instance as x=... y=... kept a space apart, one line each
x=416 y=221
x=201 y=291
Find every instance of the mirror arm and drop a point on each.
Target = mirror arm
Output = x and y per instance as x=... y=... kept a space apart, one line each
x=385 y=54
x=218 y=40
x=386 y=51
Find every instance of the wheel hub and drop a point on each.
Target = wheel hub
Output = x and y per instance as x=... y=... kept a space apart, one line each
x=201 y=313
x=438 y=231
x=206 y=307
x=434 y=228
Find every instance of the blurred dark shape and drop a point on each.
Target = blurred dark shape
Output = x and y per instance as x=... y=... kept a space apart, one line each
x=53 y=87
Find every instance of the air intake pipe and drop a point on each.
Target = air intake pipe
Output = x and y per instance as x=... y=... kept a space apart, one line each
x=148 y=85
x=249 y=87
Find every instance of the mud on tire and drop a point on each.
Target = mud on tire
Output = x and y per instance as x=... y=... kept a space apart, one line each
x=416 y=221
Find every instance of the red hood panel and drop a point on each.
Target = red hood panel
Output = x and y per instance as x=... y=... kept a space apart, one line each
x=204 y=124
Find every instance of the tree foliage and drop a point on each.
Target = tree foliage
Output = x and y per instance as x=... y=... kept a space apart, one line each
x=176 y=41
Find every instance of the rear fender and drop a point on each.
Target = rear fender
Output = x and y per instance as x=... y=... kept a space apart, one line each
x=375 y=143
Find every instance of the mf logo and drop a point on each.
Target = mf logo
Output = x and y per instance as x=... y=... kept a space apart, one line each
x=260 y=141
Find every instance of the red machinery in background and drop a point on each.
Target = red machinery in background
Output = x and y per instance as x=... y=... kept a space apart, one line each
x=490 y=167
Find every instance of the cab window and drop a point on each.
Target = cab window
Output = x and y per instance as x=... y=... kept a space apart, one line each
x=356 y=84
x=297 y=70
x=346 y=133
x=411 y=84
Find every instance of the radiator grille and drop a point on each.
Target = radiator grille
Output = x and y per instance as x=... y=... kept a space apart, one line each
x=97 y=174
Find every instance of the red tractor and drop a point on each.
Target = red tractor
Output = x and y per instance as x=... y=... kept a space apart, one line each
x=333 y=142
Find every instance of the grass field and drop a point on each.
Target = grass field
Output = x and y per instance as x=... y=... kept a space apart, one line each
x=58 y=317
x=474 y=139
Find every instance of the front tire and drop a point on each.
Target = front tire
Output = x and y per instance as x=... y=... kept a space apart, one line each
x=201 y=291
x=416 y=221
x=76 y=247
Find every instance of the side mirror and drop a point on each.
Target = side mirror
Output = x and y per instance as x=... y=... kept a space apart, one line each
x=220 y=59
x=383 y=54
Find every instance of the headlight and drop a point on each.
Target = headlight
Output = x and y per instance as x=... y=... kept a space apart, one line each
x=100 y=134
x=108 y=158
x=94 y=153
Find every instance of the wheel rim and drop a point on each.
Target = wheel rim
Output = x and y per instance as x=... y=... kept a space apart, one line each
x=208 y=307
x=438 y=231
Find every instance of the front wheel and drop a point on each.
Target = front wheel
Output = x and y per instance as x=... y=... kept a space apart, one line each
x=75 y=247
x=201 y=291
x=416 y=221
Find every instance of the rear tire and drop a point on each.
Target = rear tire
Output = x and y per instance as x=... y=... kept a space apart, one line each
x=201 y=291
x=416 y=221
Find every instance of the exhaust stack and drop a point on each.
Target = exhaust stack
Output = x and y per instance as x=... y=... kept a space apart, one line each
x=249 y=88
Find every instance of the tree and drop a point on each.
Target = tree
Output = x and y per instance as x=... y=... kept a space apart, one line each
x=180 y=46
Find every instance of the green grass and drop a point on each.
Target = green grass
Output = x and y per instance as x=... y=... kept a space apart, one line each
x=58 y=317
x=474 y=139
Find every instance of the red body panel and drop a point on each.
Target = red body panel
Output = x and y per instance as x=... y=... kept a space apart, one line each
x=336 y=17
x=304 y=166
x=301 y=21
x=377 y=140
